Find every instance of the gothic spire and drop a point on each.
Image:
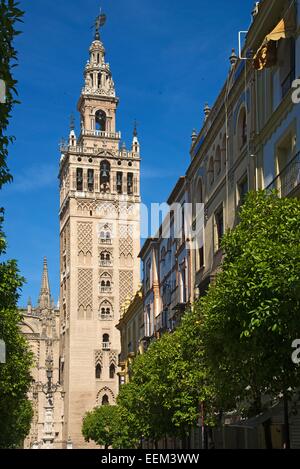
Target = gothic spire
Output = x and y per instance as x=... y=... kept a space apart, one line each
x=45 y=296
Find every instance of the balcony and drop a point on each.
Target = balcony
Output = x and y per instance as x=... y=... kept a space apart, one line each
x=105 y=345
x=100 y=133
x=288 y=180
x=106 y=290
x=106 y=317
x=105 y=263
x=105 y=241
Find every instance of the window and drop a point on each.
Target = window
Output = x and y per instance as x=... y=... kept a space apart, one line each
x=105 y=400
x=149 y=326
x=90 y=180
x=147 y=277
x=119 y=183
x=201 y=257
x=79 y=179
x=219 y=228
x=105 y=313
x=129 y=183
x=100 y=120
x=106 y=342
x=105 y=286
x=105 y=237
x=242 y=190
x=105 y=259
x=286 y=61
x=104 y=176
x=98 y=371
x=182 y=282
x=112 y=371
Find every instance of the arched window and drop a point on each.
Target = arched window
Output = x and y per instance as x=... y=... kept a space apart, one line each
x=104 y=176
x=79 y=179
x=105 y=259
x=105 y=400
x=100 y=120
x=129 y=183
x=98 y=371
x=106 y=342
x=112 y=371
x=242 y=129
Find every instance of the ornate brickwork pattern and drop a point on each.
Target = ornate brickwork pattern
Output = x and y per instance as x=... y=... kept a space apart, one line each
x=85 y=206
x=85 y=237
x=98 y=357
x=85 y=288
x=108 y=208
x=105 y=391
x=126 y=285
x=126 y=240
x=113 y=358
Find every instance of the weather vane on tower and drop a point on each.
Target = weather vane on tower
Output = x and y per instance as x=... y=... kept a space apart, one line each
x=99 y=22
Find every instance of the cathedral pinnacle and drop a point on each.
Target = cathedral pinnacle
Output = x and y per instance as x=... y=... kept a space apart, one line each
x=45 y=296
x=135 y=132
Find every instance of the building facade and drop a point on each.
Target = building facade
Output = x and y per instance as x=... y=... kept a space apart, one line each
x=249 y=140
x=99 y=246
x=40 y=327
x=131 y=328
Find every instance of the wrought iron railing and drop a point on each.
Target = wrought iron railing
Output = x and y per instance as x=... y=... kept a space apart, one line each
x=288 y=179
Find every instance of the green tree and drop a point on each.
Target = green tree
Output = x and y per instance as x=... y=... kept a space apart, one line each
x=15 y=379
x=168 y=383
x=9 y=15
x=102 y=425
x=251 y=315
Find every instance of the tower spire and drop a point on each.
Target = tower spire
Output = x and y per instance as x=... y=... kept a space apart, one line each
x=45 y=296
x=135 y=141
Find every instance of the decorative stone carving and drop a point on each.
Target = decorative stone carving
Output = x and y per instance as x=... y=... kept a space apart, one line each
x=85 y=289
x=98 y=358
x=126 y=285
x=85 y=237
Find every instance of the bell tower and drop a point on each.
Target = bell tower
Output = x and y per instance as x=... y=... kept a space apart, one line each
x=99 y=244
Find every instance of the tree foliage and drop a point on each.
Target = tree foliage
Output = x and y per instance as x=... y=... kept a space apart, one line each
x=15 y=379
x=101 y=425
x=251 y=316
x=9 y=15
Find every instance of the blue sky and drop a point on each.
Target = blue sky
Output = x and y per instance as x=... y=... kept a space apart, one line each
x=168 y=58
